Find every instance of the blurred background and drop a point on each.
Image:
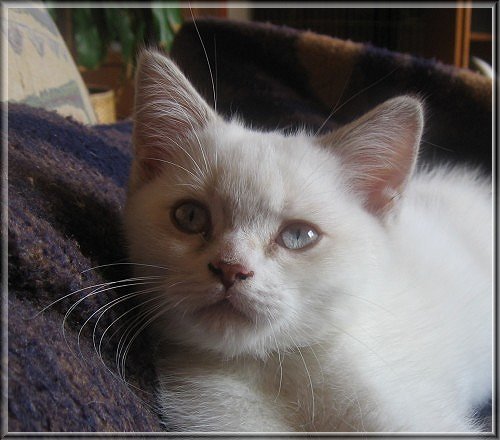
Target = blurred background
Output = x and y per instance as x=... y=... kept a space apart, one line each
x=103 y=41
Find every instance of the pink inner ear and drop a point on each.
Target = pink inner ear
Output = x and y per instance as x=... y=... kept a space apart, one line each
x=379 y=151
x=383 y=190
x=383 y=182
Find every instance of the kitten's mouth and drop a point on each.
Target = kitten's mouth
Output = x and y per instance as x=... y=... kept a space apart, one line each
x=222 y=310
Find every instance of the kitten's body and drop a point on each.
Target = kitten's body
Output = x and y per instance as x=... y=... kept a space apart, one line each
x=383 y=323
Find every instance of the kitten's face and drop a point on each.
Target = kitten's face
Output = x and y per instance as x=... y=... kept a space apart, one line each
x=248 y=200
x=262 y=238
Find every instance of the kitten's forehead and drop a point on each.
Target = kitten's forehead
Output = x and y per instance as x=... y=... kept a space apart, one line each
x=247 y=176
x=259 y=174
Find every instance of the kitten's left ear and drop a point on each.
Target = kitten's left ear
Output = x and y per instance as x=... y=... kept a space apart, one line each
x=379 y=150
x=168 y=111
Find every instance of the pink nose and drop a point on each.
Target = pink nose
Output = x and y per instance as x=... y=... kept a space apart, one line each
x=229 y=273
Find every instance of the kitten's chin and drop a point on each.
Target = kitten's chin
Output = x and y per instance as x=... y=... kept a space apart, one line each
x=230 y=327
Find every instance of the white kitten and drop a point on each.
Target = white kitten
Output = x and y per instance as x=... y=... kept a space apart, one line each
x=308 y=283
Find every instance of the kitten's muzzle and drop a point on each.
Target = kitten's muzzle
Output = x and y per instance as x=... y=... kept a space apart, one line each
x=229 y=273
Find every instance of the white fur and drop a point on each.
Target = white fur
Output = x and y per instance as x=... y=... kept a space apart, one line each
x=385 y=324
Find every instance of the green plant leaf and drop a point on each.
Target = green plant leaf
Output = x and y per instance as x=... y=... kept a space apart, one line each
x=119 y=23
x=140 y=31
x=99 y=17
x=95 y=29
x=89 y=46
x=174 y=19
x=164 y=33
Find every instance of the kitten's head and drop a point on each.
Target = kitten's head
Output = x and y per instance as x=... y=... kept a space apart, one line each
x=263 y=240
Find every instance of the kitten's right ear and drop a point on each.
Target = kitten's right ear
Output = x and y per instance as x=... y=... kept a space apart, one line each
x=167 y=111
x=379 y=150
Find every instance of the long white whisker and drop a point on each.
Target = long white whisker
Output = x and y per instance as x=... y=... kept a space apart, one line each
x=193 y=131
x=354 y=96
x=206 y=57
x=101 y=339
x=99 y=351
x=189 y=155
x=203 y=153
x=126 y=263
x=335 y=106
x=363 y=429
x=309 y=378
x=105 y=308
x=178 y=166
x=119 y=377
x=161 y=106
x=280 y=359
x=215 y=61
x=124 y=352
x=161 y=298
x=108 y=283
x=94 y=292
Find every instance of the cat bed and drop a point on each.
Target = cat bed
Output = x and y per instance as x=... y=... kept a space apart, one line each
x=278 y=77
x=67 y=187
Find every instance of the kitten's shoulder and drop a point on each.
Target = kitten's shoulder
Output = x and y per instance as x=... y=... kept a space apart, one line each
x=444 y=206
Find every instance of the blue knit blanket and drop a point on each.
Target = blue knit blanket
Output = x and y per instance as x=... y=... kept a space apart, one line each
x=67 y=187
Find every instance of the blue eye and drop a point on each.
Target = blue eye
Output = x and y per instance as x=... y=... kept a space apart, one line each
x=297 y=236
x=191 y=217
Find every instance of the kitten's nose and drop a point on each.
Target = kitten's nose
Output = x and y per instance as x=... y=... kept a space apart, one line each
x=229 y=273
